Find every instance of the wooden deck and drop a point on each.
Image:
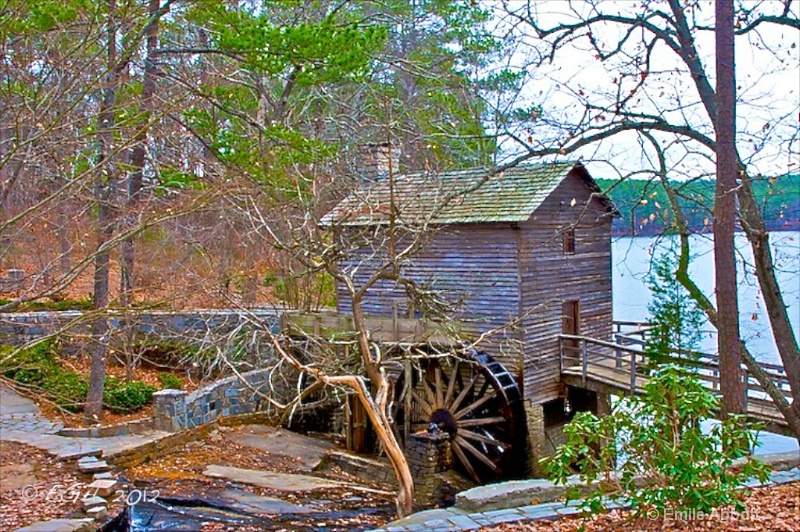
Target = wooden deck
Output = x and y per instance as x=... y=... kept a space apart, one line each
x=613 y=368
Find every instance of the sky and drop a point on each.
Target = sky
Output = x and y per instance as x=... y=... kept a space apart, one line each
x=768 y=87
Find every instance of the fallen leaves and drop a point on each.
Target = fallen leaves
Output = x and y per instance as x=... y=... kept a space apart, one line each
x=40 y=496
x=773 y=508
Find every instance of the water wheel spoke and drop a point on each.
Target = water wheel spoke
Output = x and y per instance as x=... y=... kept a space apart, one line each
x=466 y=463
x=439 y=387
x=470 y=435
x=464 y=392
x=477 y=422
x=469 y=408
x=461 y=442
x=426 y=408
x=429 y=393
x=451 y=386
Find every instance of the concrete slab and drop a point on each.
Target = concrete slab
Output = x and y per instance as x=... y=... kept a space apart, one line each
x=422 y=518
x=60 y=525
x=310 y=451
x=268 y=479
x=13 y=403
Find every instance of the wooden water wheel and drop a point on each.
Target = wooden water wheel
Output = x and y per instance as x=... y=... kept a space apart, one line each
x=472 y=398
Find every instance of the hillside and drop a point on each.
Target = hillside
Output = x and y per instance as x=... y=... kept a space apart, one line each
x=645 y=208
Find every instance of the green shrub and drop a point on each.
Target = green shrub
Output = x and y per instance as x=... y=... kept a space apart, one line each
x=126 y=396
x=31 y=365
x=68 y=388
x=667 y=462
x=169 y=381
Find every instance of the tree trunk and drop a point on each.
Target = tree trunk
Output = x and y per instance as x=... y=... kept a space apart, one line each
x=728 y=340
x=138 y=154
x=103 y=190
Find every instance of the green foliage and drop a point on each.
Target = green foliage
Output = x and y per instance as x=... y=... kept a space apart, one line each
x=646 y=209
x=169 y=381
x=68 y=388
x=666 y=461
x=121 y=396
x=675 y=317
x=309 y=291
x=32 y=365
x=38 y=365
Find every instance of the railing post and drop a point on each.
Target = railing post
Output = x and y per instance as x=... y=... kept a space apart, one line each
x=585 y=360
x=746 y=386
x=560 y=355
x=633 y=372
x=618 y=354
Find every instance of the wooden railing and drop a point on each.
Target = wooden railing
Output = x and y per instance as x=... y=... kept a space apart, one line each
x=630 y=360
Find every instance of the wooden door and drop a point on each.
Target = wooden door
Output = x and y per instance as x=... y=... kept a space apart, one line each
x=571 y=324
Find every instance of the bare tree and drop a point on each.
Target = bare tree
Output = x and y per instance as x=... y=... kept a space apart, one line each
x=653 y=79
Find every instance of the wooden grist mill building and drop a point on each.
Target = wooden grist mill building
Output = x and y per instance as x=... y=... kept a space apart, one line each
x=519 y=256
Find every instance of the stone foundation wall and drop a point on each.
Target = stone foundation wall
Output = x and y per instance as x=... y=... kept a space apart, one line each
x=536 y=447
x=428 y=455
x=176 y=410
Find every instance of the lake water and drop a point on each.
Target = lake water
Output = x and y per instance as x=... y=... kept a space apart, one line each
x=631 y=260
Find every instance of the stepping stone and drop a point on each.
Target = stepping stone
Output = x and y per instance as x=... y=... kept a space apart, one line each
x=98 y=512
x=60 y=525
x=96 y=466
x=103 y=488
x=103 y=476
x=93 y=502
x=76 y=453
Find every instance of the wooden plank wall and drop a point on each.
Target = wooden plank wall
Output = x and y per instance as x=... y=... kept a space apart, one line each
x=474 y=267
x=550 y=277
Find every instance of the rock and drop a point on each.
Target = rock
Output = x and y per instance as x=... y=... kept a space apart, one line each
x=60 y=525
x=268 y=479
x=103 y=476
x=98 y=512
x=102 y=488
x=312 y=452
x=92 y=502
x=511 y=494
x=244 y=501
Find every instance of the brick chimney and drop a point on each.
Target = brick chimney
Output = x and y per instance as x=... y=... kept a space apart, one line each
x=376 y=160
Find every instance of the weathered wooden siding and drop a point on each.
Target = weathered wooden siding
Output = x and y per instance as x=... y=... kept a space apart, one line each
x=473 y=266
x=493 y=273
x=551 y=277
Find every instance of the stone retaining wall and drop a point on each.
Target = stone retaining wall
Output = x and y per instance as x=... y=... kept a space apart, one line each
x=20 y=327
x=139 y=426
x=176 y=410
x=168 y=444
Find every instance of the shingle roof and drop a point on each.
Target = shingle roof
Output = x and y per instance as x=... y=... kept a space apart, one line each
x=463 y=196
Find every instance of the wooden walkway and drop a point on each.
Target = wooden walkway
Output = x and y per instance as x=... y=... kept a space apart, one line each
x=616 y=368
